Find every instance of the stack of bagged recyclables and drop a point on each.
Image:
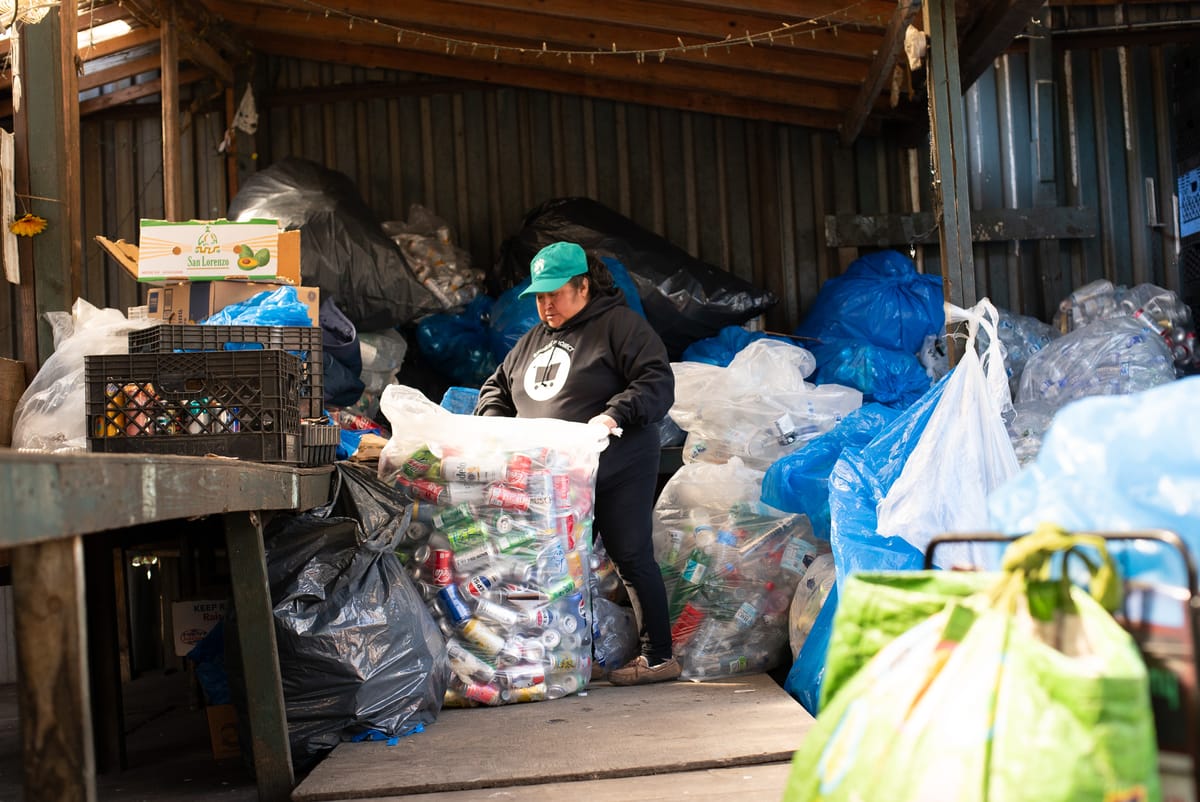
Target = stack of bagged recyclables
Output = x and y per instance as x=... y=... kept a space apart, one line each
x=731 y=566
x=500 y=543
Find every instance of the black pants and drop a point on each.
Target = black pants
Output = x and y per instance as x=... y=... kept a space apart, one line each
x=624 y=517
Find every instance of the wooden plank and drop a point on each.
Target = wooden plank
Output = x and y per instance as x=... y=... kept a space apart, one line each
x=104 y=664
x=1135 y=187
x=693 y=730
x=56 y=495
x=260 y=657
x=756 y=782
x=881 y=69
x=1103 y=174
x=1168 y=229
x=55 y=700
x=987 y=225
x=171 y=171
x=950 y=154
x=135 y=92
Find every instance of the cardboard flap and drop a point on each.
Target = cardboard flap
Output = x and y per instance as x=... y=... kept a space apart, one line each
x=125 y=253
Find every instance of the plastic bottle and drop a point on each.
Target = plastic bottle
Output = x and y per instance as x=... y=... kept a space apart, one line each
x=691 y=579
x=725 y=556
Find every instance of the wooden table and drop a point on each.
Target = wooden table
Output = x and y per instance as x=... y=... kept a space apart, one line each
x=48 y=505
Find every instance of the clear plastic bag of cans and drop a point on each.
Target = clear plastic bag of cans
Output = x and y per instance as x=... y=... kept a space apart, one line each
x=500 y=546
x=731 y=566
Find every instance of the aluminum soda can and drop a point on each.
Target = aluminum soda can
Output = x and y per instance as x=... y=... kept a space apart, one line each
x=466 y=664
x=450 y=517
x=564 y=527
x=499 y=523
x=465 y=535
x=467 y=558
x=562 y=661
x=516 y=570
x=454 y=605
x=464 y=493
x=541 y=617
x=480 y=583
x=484 y=693
x=425 y=489
x=507 y=498
x=561 y=484
x=482 y=636
x=564 y=586
x=442 y=573
x=418 y=463
x=497 y=612
x=517 y=473
x=514 y=540
x=521 y=675
x=533 y=693
x=462 y=469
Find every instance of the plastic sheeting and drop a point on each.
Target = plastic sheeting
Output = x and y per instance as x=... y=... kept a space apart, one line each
x=684 y=298
x=344 y=249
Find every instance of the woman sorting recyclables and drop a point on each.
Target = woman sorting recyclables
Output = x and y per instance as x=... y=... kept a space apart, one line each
x=595 y=360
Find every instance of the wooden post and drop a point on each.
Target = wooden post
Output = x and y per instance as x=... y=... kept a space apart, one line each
x=169 y=55
x=48 y=122
x=260 y=656
x=52 y=688
x=952 y=202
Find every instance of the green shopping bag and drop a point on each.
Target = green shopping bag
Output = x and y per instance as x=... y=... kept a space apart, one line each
x=1025 y=690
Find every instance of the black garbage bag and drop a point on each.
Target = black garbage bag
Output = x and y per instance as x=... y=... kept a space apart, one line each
x=343 y=249
x=685 y=299
x=359 y=653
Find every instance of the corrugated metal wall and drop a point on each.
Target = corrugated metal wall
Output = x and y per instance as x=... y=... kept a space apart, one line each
x=1073 y=128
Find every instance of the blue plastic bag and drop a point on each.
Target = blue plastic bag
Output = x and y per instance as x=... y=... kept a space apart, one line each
x=883 y=375
x=882 y=300
x=281 y=307
x=460 y=400
x=510 y=318
x=721 y=349
x=459 y=344
x=799 y=482
x=624 y=283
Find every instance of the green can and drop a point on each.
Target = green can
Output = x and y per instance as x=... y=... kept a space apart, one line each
x=516 y=539
x=453 y=517
x=465 y=535
x=560 y=588
x=419 y=463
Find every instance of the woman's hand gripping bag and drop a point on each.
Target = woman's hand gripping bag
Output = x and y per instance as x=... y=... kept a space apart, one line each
x=1027 y=691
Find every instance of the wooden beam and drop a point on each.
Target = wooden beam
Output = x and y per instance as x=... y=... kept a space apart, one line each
x=534 y=78
x=881 y=69
x=951 y=201
x=131 y=93
x=72 y=188
x=121 y=72
x=205 y=55
x=991 y=34
x=172 y=171
x=987 y=225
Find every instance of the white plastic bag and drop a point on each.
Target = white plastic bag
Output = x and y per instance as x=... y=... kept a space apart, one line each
x=964 y=451
x=51 y=414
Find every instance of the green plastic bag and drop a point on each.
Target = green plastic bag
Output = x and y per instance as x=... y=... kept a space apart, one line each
x=1026 y=690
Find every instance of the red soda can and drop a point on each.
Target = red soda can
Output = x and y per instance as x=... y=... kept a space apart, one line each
x=423 y=489
x=500 y=496
x=565 y=529
x=561 y=483
x=442 y=573
x=486 y=694
x=517 y=474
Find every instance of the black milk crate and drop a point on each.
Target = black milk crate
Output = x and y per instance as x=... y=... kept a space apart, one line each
x=243 y=404
x=303 y=341
x=319 y=442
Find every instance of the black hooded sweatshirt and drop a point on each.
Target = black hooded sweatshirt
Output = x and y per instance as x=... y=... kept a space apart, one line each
x=605 y=359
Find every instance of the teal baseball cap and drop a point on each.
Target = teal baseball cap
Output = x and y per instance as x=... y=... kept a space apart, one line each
x=554 y=265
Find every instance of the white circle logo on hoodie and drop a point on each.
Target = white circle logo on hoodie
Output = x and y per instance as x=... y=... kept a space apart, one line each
x=547 y=372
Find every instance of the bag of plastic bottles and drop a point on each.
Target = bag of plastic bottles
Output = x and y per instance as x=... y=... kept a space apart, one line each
x=503 y=508
x=758 y=408
x=731 y=566
x=1022 y=337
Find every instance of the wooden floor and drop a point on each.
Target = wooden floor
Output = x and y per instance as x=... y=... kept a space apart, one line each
x=679 y=740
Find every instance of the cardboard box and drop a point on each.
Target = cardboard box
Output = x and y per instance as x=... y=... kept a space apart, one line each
x=193 y=301
x=193 y=620
x=12 y=386
x=285 y=259
x=223 y=731
x=197 y=250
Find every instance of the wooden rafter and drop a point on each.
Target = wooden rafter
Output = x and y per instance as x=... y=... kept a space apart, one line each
x=991 y=34
x=881 y=69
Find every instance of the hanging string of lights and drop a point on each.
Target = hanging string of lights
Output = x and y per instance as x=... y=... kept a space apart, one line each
x=787 y=31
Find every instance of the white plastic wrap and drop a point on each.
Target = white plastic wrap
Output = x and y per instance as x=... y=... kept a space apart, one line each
x=501 y=549
x=51 y=414
x=731 y=566
x=759 y=408
x=811 y=593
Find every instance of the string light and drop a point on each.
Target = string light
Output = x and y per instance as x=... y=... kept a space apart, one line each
x=825 y=22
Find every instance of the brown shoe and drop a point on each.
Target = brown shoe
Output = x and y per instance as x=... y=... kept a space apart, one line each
x=639 y=672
